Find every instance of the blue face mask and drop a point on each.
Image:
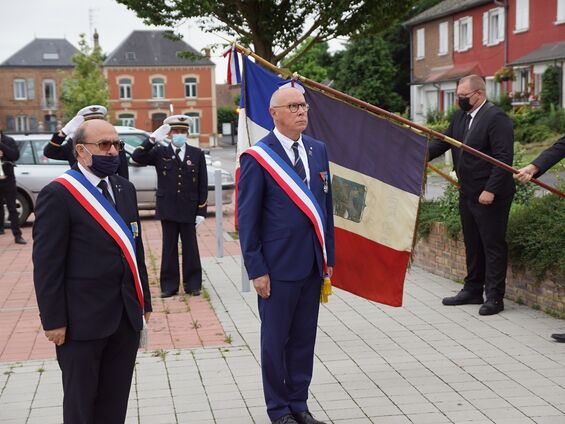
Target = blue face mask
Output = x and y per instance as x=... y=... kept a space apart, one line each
x=179 y=139
x=103 y=165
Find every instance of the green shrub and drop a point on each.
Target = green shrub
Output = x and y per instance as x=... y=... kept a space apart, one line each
x=429 y=213
x=524 y=192
x=555 y=119
x=550 y=87
x=504 y=102
x=226 y=114
x=535 y=237
x=536 y=133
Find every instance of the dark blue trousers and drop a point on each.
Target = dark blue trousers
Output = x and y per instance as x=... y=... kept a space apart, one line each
x=97 y=376
x=289 y=318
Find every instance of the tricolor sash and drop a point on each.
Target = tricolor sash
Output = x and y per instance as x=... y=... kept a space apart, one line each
x=296 y=189
x=109 y=219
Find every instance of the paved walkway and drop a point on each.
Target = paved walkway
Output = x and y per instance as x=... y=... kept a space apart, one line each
x=422 y=363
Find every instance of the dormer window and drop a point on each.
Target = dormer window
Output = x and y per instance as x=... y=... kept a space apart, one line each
x=50 y=56
x=130 y=55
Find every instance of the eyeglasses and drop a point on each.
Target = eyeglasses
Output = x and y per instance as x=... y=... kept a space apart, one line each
x=293 y=107
x=468 y=95
x=106 y=145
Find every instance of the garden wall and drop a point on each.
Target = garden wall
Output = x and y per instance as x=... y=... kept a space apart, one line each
x=440 y=255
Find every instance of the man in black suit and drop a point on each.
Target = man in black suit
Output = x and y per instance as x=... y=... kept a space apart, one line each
x=538 y=167
x=9 y=153
x=61 y=147
x=182 y=193
x=485 y=196
x=91 y=305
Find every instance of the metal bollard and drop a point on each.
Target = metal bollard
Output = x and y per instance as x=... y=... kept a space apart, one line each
x=219 y=213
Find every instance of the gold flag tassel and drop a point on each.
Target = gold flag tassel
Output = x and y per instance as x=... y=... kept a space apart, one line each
x=326 y=290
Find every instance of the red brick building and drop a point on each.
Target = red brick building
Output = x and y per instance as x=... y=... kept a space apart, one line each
x=30 y=85
x=148 y=80
x=458 y=37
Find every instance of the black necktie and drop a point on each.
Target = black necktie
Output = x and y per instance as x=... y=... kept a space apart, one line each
x=103 y=185
x=298 y=164
x=467 y=121
x=177 y=154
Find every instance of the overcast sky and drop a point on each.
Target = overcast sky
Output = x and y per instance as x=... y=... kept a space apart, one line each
x=23 y=20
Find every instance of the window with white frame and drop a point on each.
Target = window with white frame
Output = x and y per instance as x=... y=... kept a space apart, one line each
x=522 y=15
x=520 y=86
x=420 y=43
x=493 y=26
x=22 y=123
x=20 y=89
x=560 y=11
x=493 y=88
x=125 y=88
x=190 y=87
x=195 y=126
x=127 y=119
x=158 y=88
x=463 y=34
x=443 y=38
x=448 y=100
x=49 y=96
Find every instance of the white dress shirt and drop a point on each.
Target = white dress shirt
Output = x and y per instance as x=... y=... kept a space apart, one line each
x=287 y=146
x=474 y=113
x=94 y=180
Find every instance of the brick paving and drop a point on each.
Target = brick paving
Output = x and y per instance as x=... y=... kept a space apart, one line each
x=178 y=322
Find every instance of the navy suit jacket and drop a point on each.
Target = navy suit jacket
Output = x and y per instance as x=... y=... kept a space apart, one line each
x=82 y=280
x=182 y=189
x=491 y=133
x=550 y=157
x=276 y=237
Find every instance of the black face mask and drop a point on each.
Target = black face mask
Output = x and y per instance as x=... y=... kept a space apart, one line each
x=464 y=103
x=103 y=165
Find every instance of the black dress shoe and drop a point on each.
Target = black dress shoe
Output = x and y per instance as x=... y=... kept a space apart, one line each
x=287 y=419
x=168 y=294
x=492 y=307
x=559 y=337
x=1 y=231
x=463 y=298
x=20 y=240
x=306 y=417
x=194 y=292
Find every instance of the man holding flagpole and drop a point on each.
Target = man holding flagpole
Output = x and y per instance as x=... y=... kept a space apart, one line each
x=287 y=240
x=90 y=277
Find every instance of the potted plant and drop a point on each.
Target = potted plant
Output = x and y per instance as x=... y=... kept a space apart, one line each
x=504 y=74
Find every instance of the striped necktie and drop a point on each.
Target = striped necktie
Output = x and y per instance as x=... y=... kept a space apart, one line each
x=298 y=164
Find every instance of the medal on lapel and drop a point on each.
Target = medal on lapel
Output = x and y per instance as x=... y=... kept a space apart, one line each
x=188 y=162
x=324 y=176
x=134 y=229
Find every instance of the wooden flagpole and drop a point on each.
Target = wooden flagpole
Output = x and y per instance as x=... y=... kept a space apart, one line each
x=285 y=73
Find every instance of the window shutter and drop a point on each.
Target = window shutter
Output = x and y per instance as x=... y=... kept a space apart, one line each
x=10 y=123
x=500 y=24
x=33 y=123
x=485 y=28
x=456 y=36
x=30 y=88
x=470 y=32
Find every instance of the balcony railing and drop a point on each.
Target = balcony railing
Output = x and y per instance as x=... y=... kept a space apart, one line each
x=49 y=104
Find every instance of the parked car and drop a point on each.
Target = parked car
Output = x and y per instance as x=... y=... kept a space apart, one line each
x=33 y=171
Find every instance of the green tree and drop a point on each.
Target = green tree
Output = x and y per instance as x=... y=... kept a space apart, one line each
x=86 y=85
x=550 y=88
x=313 y=63
x=275 y=28
x=365 y=70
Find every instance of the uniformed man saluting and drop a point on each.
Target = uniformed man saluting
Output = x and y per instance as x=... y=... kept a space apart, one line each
x=182 y=192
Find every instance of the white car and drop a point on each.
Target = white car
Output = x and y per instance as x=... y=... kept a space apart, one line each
x=33 y=171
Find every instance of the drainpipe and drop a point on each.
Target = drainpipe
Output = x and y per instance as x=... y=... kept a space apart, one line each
x=412 y=109
x=504 y=3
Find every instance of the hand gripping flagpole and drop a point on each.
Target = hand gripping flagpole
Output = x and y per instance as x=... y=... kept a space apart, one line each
x=399 y=120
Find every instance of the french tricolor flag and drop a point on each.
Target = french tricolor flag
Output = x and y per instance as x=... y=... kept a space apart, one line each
x=234 y=75
x=377 y=172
